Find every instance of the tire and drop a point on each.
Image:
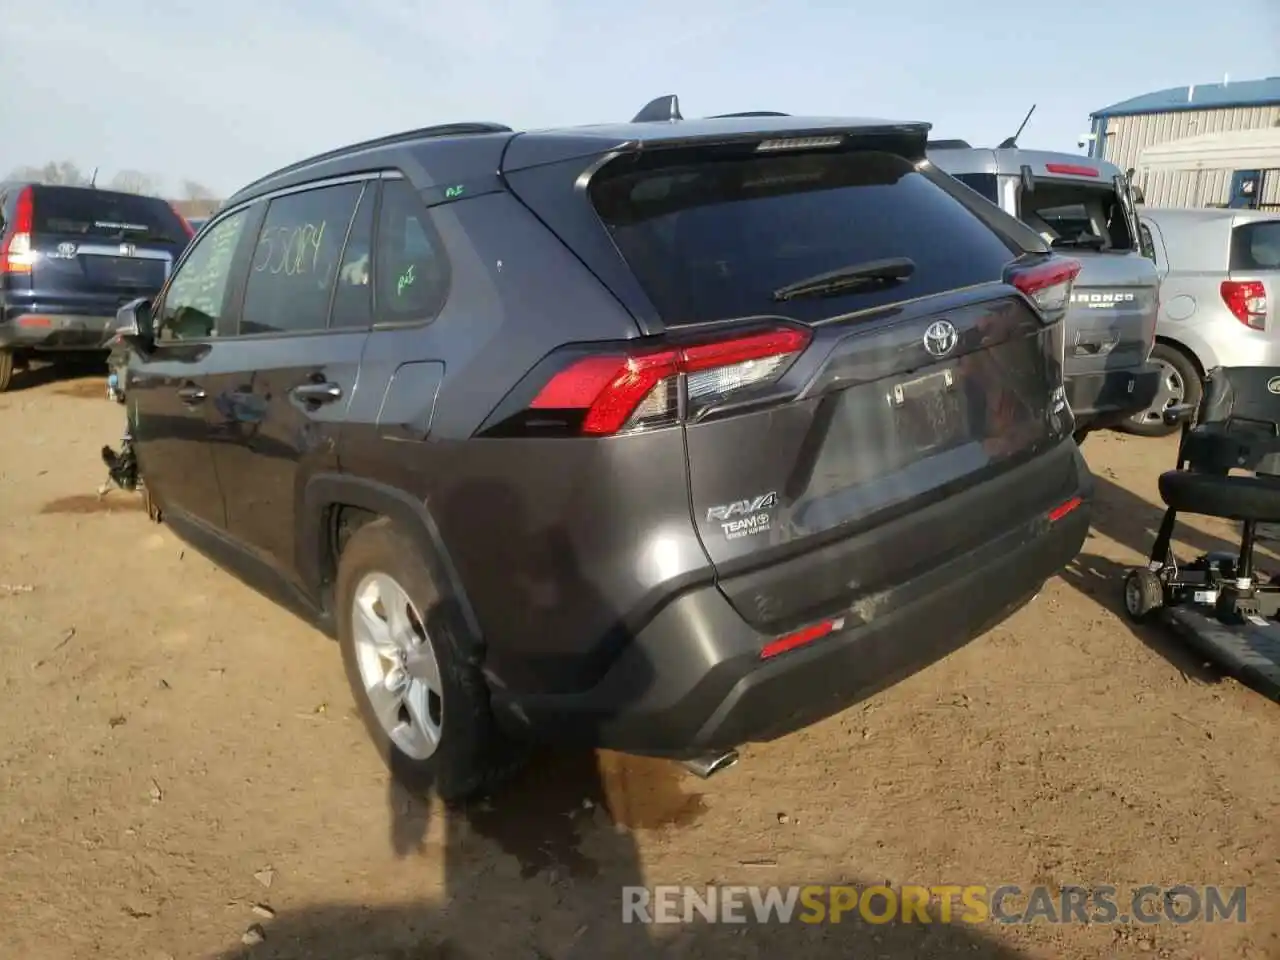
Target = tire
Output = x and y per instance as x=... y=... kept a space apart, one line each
x=1183 y=370
x=471 y=755
x=1143 y=594
x=6 y=370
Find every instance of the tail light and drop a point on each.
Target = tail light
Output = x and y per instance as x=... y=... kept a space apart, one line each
x=16 y=255
x=186 y=224
x=1049 y=285
x=619 y=392
x=1247 y=301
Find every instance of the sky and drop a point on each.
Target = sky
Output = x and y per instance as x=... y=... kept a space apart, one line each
x=223 y=92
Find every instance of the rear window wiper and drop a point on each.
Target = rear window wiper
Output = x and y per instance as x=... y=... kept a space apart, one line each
x=867 y=273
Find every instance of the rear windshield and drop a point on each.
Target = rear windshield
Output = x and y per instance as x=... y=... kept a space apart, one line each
x=1077 y=215
x=1255 y=247
x=106 y=215
x=711 y=239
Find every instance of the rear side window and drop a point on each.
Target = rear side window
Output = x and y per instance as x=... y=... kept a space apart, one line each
x=296 y=260
x=983 y=183
x=104 y=215
x=411 y=267
x=1078 y=215
x=1255 y=247
x=711 y=239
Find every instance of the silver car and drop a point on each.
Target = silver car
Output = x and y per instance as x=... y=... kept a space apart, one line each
x=1220 y=279
x=1084 y=208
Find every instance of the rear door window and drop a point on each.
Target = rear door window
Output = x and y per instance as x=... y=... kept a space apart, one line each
x=711 y=238
x=296 y=260
x=1255 y=247
x=105 y=215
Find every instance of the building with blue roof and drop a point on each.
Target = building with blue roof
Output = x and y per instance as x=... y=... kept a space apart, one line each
x=1123 y=130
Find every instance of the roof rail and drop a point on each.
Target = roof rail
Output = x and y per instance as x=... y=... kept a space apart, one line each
x=662 y=110
x=391 y=139
x=949 y=145
x=749 y=113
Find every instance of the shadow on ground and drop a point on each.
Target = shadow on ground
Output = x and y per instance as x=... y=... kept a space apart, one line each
x=538 y=872
x=75 y=375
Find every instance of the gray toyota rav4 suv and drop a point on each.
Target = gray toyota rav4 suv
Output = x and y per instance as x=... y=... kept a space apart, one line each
x=665 y=436
x=1082 y=207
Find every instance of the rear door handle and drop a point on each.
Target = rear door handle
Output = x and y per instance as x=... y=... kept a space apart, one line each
x=317 y=392
x=190 y=393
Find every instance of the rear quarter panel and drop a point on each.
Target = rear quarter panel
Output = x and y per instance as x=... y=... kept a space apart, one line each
x=561 y=546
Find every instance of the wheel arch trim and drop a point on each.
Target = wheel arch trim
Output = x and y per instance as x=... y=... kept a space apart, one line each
x=411 y=516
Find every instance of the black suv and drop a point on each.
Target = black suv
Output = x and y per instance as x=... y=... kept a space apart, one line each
x=662 y=436
x=69 y=258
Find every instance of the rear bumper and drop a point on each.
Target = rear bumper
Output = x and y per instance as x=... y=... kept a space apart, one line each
x=53 y=331
x=1107 y=398
x=692 y=681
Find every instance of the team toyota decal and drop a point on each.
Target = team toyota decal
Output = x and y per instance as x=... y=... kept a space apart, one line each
x=744 y=518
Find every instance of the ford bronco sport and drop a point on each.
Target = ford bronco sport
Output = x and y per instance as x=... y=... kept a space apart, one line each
x=666 y=436
x=1082 y=207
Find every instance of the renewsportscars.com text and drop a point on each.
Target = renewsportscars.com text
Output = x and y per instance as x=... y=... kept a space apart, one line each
x=941 y=903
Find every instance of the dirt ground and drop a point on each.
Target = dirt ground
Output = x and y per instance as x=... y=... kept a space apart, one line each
x=177 y=752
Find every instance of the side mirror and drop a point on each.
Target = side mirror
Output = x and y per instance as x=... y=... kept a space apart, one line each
x=133 y=322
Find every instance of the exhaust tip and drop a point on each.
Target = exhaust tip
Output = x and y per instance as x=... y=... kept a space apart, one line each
x=712 y=763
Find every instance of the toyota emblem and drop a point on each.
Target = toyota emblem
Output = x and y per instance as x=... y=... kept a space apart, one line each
x=940 y=339
x=66 y=250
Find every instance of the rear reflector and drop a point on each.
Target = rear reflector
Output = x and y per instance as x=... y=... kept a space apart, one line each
x=34 y=321
x=800 y=638
x=1247 y=301
x=1071 y=169
x=623 y=392
x=1062 y=509
x=1048 y=284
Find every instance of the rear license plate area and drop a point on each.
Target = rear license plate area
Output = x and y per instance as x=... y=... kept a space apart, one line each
x=122 y=271
x=928 y=411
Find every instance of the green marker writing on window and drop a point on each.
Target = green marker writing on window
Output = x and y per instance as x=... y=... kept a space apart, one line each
x=406 y=280
x=451 y=193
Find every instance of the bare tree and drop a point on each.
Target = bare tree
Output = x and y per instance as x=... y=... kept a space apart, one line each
x=54 y=172
x=135 y=181
x=193 y=190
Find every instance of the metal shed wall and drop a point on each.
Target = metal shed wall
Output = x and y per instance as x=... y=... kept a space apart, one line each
x=1126 y=136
